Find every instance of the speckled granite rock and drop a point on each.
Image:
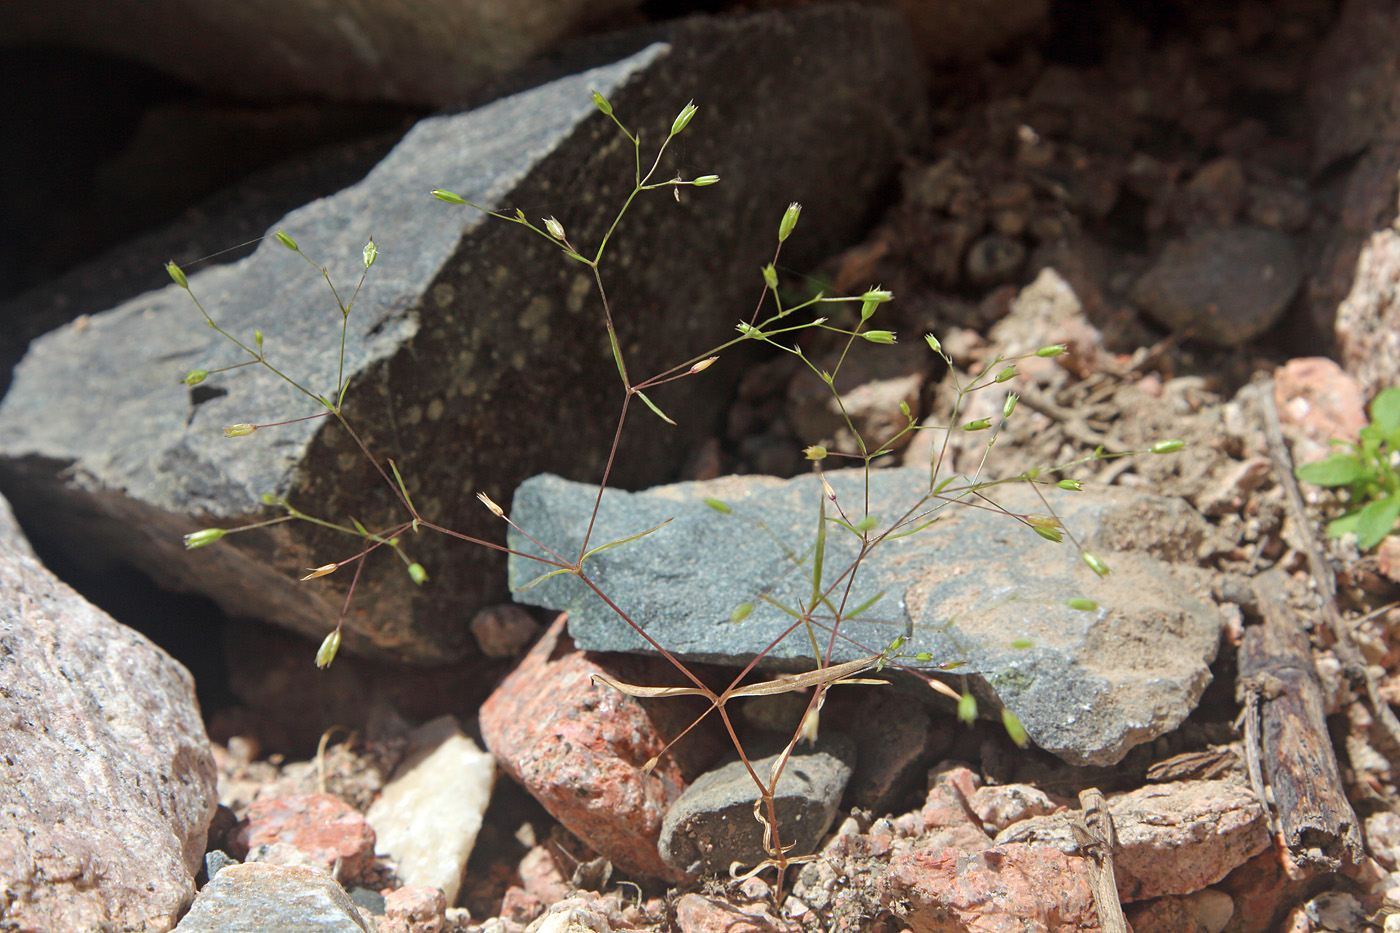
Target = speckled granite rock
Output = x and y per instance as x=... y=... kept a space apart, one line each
x=106 y=775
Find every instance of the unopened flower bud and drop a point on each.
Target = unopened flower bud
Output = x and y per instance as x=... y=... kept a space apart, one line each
x=704 y=180
x=789 y=222
x=1073 y=485
x=1044 y=521
x=967 y=709
x=1049 y=534
x=683 y=118
x=286 y=241
x=448 y=196
x=1010 y=405
x=770 y=276
x=204 y=536
x=496 y=510
x=815 y=452
x=239 y=430
x=879 y=336
x=1095 y=563
x=1080 y=604
x=1007 y=373
x=195 y=377
x=554 y=228
x=320 y=571
x=601 y=103
x=370 y=252
x=704 y=364
x=1052 y=350
x=981 y=424
x=326 y=653
x=417 y=574
x=933 y=344
x=1167 y=447
x=1014 y=730
x=177 y=275
x=719 y=505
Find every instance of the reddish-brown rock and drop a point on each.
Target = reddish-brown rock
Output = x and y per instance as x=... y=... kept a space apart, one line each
x=947 y=813
x=1011 y=887
x=1315 y=397
x=321 y=827
x=579 y=748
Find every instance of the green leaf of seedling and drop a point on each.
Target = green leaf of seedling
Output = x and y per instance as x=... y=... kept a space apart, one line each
x=640 y=534
x=540 y=579
x=1337 y=470
x=1375 y=521
x=652 y=405
x=1385 y=411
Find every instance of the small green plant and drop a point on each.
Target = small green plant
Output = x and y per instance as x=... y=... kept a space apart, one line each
x=1369 y=472
x=830 y=584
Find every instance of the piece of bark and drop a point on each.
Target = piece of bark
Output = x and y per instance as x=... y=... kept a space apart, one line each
x=1315 y=820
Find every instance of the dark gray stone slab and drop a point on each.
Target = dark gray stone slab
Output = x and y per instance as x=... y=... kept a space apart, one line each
x=711 y=826
x=472 y=343
x=1091 y=686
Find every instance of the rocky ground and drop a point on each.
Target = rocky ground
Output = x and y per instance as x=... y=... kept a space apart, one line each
x=1196 y=201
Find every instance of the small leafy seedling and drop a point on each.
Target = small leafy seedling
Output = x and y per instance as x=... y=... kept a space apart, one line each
x=1368 y=472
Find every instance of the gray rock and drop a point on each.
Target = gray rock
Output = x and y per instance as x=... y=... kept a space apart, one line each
x=1226 y=285
x=471 y=342
x=711 y=825
x=256 y=897
x=1091 y=686
x=434 y=52
x=108 y=780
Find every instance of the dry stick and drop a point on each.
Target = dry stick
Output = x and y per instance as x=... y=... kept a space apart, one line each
x=1385 y=728
x=1278 y=679
x=1097 y=837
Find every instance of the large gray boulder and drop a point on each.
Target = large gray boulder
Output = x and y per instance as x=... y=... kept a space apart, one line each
x=108 y=778
x=476 y=352
x=433 y=52
x=1089 y=686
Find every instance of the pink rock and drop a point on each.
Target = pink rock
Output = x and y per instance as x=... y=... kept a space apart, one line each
x=696 y=913
x=1383 y=837
x=1001 y=805
x=414 y=909
x=541 y=877
x=1165 y=915
x=323 y=827
x=107 y=782
x=1368 y=319
x=1172 y=838
x=998 y=890
x=947 y=813
x=579 y=748
x=1321 y=401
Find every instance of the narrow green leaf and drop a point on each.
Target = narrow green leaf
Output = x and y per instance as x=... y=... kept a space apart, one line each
x=866 y=605
x=640 y=534
x=819 y=554
x=617 y=355
x=399 y=479
x=540 y=579
x=652 y=405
